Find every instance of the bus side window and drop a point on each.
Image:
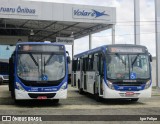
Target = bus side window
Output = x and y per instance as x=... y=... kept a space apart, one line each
x=78 y=64
x=87 y=64
x=90 y=62
x=95 y=62
x=74 y=64
x=84 y=64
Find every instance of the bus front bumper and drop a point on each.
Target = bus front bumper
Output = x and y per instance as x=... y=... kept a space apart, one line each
x=24 y=95
x=110 y=93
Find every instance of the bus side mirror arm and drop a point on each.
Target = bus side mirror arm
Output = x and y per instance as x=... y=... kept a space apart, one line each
x=150 y=57
x=67 y=53
x=68 y=59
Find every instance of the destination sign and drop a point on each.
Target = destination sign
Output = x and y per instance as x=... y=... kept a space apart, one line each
x=41 y=48
x=126 y=50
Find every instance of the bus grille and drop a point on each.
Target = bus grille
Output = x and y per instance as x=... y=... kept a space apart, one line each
x=6 y=77
x=48 y=95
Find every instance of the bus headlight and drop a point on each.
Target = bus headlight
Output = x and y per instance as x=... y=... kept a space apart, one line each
x=64 y=86
x=147 y=84
x=110 y=85
x=19 y=86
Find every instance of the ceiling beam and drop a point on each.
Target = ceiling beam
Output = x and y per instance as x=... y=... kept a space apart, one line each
x=54 y=33
x=24 y=23
x=46 y=27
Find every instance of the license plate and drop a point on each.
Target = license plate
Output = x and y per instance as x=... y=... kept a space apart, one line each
x=129 y=93
x=41 y=97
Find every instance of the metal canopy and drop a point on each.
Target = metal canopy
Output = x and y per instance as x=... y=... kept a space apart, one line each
x=48 y=20
x=48 y=30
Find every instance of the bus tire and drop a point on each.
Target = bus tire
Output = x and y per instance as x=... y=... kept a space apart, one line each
x=55 y=101
x=18 y=102
x=12 y=93
x=9 y=85
x=78 y=83
x=81 y=91
x=134 y=99
x=96 y=95
x=1 y=81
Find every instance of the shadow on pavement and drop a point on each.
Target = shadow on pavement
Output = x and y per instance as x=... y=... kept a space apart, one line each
x=111 y=101
x=37 y=103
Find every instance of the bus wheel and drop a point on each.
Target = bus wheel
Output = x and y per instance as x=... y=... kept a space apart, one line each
x=17 y=102
x=12 y=94
x=9 y=86
x=134 y=99
x=1 y=81
x=81 y=91
x=78 y=83
x=55 y=101
x=96 y=95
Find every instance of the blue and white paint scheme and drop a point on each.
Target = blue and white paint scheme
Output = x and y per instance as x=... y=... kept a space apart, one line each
x=114 y=71
x=95 y=14
x=44 y=73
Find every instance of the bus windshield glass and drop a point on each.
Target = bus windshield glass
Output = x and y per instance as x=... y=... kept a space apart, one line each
x=132 y=67
x=41 y=66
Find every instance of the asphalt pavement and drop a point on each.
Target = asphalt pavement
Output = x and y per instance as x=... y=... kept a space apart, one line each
x=80 y=108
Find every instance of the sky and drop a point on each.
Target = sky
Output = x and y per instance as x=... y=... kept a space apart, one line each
x=124 y=26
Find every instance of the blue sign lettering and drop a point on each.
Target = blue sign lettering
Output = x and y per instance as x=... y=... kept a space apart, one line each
x=18 y=10
x=7 y=10
x=25 y=10
x=92 y=13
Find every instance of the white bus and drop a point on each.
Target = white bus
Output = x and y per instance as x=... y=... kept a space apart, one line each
x=38 y=70
x=113 y=71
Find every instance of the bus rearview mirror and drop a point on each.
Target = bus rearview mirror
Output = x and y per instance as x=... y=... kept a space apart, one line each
x=68 y=59
x=67 y=53
x=150 y=57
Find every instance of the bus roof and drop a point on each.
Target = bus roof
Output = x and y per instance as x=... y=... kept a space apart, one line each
x=39 y=43
x=90 y=51
x=107 y=46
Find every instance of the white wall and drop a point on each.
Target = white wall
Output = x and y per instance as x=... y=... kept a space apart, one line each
x=55 y=11
x=5 y=40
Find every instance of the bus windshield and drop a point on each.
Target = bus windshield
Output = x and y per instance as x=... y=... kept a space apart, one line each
x=33 y=67
x=132 y=67
x=41 y=66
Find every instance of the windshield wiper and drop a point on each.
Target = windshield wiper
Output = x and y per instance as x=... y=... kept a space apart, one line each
x=34 y=60
x=134 y=60
x=44 y=64
x=124 y=62
x=49 y=59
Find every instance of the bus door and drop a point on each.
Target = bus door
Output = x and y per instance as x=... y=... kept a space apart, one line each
x=99 y=73
x=81 y=74
x=85 y=62
x=74 y=63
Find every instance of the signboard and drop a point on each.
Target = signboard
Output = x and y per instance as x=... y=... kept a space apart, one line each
x=18 y=10
x=127 y=50
x=96 y=14
x=65 y=40
x=40 y=48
